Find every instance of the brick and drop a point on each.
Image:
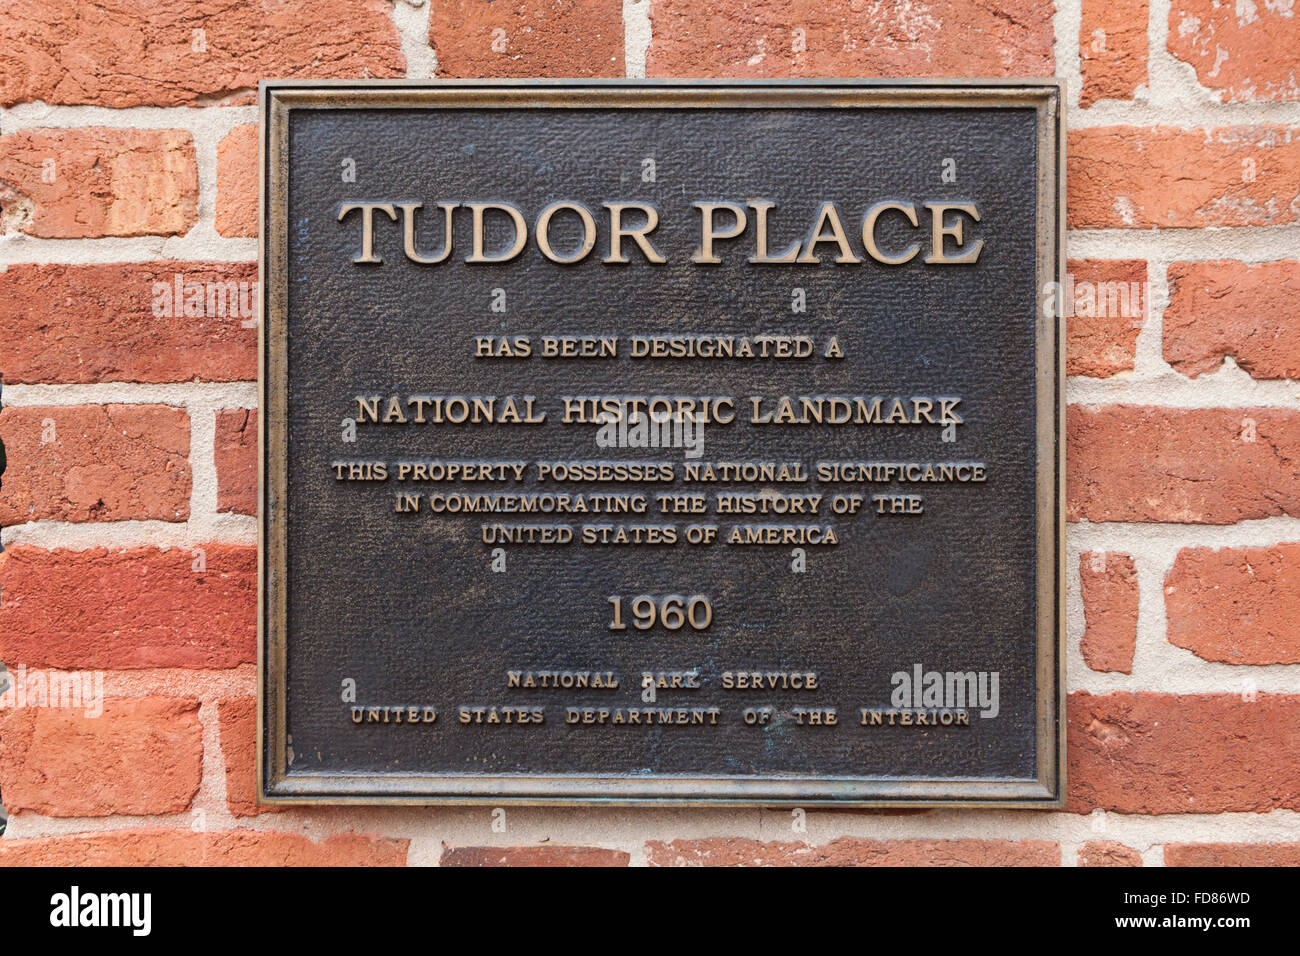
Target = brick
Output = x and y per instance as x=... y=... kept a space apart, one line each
x=1195 y=753
x=1108 y=853
x=236 y=457
x=140 y=756
x=238 y=718
x=237 y=183
x=1112 y=49
x=853 y=851
x=1110 y=611
x=183 y=53
x=185 y=848
x=1138 y=177
x=1106 y=302
x=1181 y=465
x=528 y=38
x=760 y=38
x=1236 y=605
x=1223 y=308
x=1248 y=51
x=131 y=608
x=1232 y=854
x=97 y=463
x=123 y=322
x=532 y=856
x=92 y=182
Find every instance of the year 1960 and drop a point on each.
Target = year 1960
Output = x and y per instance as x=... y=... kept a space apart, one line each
x=672 y=612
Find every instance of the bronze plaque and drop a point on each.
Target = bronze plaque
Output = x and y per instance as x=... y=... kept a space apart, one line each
x=662 y=442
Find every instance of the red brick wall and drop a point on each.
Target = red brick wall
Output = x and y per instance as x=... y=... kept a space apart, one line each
x=127 y=169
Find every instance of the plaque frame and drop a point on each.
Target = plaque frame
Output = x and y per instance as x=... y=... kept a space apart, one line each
x=277 y=787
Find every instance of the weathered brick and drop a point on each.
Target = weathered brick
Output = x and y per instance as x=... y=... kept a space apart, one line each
x=1194 y=753
x=1112 y=49
x=179 y=53
x=218 y=848
x=1108 y=853
x=123 y=322
x=544 y=855
x=853 y=851
x=1236 y=605
x=95 y=463
x=1250 y=51
x=237 y=183
x=1181 y=465
x=1232 y=854
x=140 y=756
x=238 y=718
x=1106 y=302
x=1223 y=308
x=773 y=38
x=1138 y=177
x=1110 y=611
x=93 y=182
x=528 y=38
x=134 y=608
x=236 y=457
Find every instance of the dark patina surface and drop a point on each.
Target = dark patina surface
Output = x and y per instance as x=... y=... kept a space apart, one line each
x=406 y=605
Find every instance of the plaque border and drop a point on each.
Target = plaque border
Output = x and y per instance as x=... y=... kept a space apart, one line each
x=276 y=98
